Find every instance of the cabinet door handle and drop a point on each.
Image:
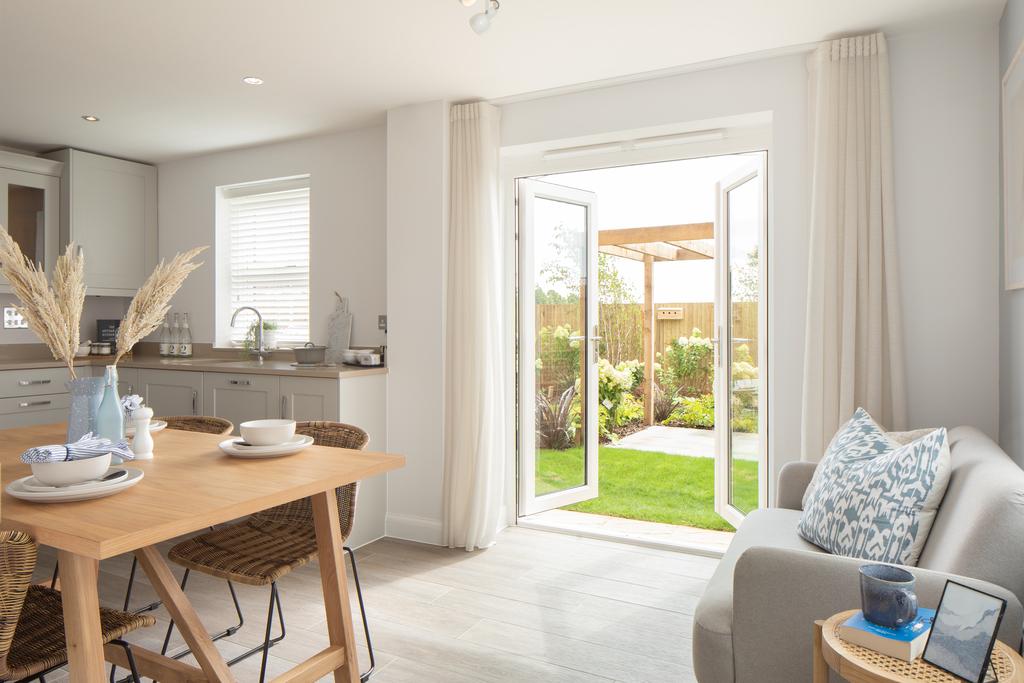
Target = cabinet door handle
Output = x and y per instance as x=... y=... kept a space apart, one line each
x=131 y=390
x=195 y=397
x=242 y=382
x=284 y=407
x=30 y=382
x=29 y=404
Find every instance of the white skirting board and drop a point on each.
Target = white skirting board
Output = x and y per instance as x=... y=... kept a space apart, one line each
x=411 y=528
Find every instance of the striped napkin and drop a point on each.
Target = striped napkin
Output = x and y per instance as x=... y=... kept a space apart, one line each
x=88 y=446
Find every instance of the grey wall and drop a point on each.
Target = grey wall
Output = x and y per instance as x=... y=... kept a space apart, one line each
x=1011 y=303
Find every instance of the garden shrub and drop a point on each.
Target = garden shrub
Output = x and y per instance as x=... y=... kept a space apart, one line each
x=687 y=365
x=557 y=422
x=693 y=411
x=558 y=358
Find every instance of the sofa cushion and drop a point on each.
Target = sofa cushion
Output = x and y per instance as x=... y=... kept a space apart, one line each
x=879 y=508
x=712 y=621
x=860 y=438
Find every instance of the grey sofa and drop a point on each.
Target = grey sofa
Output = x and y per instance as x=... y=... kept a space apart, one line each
x=754 y=622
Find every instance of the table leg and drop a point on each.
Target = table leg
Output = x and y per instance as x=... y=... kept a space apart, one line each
x=335 y=585
x=82 y=617
x=184 y=615
x=820 y=665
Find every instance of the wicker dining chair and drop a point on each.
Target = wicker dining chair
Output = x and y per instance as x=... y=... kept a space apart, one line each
x=206 y=424
x=32 y=617
x=270 y=544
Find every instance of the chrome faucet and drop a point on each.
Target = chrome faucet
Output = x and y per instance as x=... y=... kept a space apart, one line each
x=259 y=328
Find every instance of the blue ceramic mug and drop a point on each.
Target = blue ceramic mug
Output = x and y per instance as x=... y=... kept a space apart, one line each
x=887 y=595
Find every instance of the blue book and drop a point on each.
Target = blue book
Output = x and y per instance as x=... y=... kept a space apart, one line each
x=906 y=643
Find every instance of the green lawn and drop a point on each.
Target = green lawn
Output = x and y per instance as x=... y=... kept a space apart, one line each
x=656 y=487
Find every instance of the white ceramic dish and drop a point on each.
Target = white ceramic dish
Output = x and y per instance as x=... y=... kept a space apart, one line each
x=233 y=448
x=69 y=472
x=267 y=432
x=68 y=494
x=33 y=484
x=154 y=427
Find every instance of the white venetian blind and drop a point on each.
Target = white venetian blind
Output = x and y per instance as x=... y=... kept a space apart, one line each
x=268 y=237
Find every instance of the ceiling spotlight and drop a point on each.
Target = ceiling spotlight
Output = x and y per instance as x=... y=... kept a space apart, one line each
x=481 y=22
x=468 y=3
x=252 y=80
x=90 y=118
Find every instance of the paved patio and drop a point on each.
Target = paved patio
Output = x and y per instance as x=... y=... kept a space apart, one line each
x=685 y=441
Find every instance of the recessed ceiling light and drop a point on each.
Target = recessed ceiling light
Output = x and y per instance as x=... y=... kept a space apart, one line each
x=90 y=118
x=252 y=80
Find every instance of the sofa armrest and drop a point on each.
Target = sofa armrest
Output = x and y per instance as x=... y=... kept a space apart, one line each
x=793 y=481
x=779 y=593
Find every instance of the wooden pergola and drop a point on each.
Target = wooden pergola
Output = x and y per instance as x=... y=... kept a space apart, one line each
x=687 y=242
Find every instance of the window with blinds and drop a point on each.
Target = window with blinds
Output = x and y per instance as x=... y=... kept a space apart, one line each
x=267 y=239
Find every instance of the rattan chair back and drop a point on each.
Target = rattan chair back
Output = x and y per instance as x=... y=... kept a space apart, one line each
x=300 y=512
x=206 y=424
x=17 y=560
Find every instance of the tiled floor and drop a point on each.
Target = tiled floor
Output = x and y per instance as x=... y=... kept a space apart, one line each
x=652 y=534
x=537 y=606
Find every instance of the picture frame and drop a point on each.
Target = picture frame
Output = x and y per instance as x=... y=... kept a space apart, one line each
x=1013 y=171
x=964 y=632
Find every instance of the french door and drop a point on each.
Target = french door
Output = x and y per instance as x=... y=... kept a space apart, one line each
x=558 y=397
x=741 y=345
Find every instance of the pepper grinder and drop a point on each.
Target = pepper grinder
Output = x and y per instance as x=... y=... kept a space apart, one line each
x=142 y=444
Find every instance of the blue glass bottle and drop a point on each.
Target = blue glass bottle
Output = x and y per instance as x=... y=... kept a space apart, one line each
x=110 y=418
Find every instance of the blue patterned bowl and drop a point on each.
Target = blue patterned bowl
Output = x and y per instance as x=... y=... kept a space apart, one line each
x=887 y=595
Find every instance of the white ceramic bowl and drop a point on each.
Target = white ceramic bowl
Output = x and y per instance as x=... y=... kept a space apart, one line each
x=267 y=432
x=71 y=471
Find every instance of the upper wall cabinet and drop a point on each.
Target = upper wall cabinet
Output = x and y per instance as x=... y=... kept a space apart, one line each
x=108 y=207
x=29 y=206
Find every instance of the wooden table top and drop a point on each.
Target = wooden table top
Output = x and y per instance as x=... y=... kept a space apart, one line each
x=190 y=484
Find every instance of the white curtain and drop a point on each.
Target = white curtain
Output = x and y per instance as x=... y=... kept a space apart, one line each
x=474 y=352
x=854 y=341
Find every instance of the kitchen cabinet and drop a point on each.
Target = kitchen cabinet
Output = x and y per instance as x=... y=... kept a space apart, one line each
x=171 y=392
x=108 y=207
x=242 y=397
x=308 y=398
x=33 y=396
x=30 y=206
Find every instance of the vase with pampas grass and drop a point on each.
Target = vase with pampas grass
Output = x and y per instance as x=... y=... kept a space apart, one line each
x=146 y=312
x=52 y=308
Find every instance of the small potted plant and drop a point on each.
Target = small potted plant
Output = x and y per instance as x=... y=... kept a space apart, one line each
x=269 y=336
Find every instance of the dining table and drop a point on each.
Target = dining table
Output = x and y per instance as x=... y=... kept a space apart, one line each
x=188 y=486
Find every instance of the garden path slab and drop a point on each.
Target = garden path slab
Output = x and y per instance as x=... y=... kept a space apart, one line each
x=686 y=441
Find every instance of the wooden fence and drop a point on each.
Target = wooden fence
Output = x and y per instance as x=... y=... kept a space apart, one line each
x=621 y=325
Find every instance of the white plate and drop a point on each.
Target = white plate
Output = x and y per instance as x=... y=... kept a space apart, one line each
x=154 y=427
x=294 y=445
x=72 y=493
x=33 y=484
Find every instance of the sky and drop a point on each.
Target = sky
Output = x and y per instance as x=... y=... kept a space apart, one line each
x=660 y=194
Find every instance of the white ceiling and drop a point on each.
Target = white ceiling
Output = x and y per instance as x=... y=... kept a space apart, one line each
x=164 y=75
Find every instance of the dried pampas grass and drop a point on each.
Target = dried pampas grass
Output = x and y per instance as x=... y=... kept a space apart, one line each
x=53 y=312
x=153 y=300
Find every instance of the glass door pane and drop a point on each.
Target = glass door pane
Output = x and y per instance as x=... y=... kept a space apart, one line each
x=741 y=457
x=558 y=419
x=744 y=225
x=26 y=219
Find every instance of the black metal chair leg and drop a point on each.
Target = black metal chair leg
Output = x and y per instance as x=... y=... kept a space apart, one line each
x=126 y=646
x=365 y=676
x=56 y=573
x=275 y=600
x=266 y=635
x=128 y=591
x=170 y=626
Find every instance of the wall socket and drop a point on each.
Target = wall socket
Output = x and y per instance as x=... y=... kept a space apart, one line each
x=13 y=319
x=382 y=322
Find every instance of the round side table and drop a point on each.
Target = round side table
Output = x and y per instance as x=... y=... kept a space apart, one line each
x=860 y=665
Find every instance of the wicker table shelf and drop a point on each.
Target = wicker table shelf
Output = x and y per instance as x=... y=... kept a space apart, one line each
x=860 y=665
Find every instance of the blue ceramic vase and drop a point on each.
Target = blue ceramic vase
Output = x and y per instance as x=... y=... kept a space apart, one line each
x=887 y=595
x=86 y=394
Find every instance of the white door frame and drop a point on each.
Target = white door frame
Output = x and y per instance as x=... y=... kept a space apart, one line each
x=723 y=345
x=515 y=165
x=529 y=502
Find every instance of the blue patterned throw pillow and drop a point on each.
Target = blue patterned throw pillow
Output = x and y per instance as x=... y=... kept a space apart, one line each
x=875 y=499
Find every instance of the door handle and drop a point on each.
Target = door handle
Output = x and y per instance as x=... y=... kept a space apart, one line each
x=284 y=407
x=195 y=398
x=241 y=382
x=31 y=382
x=29 y=404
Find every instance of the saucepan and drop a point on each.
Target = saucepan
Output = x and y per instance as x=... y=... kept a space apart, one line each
x=310 y=354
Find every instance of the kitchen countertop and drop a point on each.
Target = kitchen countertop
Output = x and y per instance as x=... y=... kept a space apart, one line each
x=268 y=367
